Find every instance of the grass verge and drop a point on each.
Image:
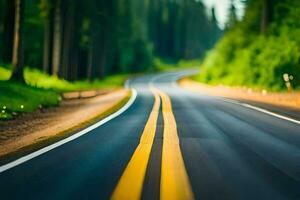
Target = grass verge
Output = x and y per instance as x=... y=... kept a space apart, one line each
x=18 y=98
x=42 y=90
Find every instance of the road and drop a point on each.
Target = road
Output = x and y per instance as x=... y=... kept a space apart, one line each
x=169 y=144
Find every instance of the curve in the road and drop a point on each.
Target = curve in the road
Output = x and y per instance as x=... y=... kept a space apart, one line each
x=225 y=151
x=32 y=155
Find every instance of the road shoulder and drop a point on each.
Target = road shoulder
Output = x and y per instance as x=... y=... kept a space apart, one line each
x=33 y=131
x=287 y=104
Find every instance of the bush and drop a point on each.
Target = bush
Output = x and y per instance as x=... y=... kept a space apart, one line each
x=244 y=57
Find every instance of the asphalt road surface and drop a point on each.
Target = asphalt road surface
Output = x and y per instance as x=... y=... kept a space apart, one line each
x=169 y=144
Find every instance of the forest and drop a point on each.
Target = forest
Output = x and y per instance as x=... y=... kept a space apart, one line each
x=91 y=39
x=51 y=46
x=259 y=51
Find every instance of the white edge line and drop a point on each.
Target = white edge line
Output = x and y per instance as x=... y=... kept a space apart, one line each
x=261 y=110
x=30 y=156
x=270 y=113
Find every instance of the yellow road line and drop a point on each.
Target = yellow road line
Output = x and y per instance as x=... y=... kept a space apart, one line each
x=131 y=182
x=174 y=183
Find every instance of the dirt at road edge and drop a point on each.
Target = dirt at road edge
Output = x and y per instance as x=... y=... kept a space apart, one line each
x=34 y=130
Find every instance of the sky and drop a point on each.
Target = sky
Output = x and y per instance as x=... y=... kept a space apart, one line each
x=222 y=7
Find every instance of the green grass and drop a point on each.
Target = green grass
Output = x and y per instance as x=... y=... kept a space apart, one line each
x=18 y=98
x=38 y=79
x=42 y=90
x=4 y=73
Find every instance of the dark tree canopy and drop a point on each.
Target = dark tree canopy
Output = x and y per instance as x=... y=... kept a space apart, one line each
x=88 y=39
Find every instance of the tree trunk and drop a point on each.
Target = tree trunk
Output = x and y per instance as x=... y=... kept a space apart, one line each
x=266 y=15
x=17 y=61
x=90 y=63
x=48 y=37
x=70 y=50
x=57 y=38
x=67 y=43
x=102 y=61
x=100 y=55
x=8 y=36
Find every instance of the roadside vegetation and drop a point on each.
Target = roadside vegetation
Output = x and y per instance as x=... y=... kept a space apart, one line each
x=42 y=90
x=18 y=98
x=258 y=50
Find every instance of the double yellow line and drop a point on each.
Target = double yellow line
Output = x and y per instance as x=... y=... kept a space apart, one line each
x=174 y=182
x=130 y=185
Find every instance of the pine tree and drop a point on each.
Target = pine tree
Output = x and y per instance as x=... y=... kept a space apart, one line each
x=57 y=38
x=266 y=14
x=18 y=50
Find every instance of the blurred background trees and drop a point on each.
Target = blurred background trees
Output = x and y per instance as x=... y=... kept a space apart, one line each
x=257 y=50
x=88 y=39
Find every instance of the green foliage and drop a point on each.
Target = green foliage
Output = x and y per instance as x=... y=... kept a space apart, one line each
x=33 y=32
x=91 y=39
x=143 y=56
x=45 y=6
x=246 y=57
x=134 y=50
x=181 y=29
